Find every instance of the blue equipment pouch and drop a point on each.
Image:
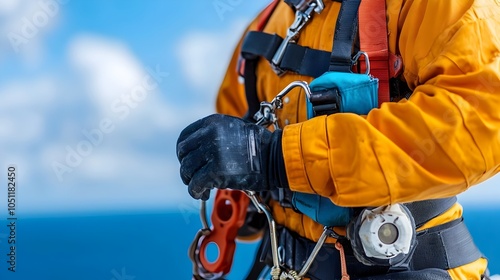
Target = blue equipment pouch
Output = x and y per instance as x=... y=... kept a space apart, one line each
x=350 y=92
x=335 y=92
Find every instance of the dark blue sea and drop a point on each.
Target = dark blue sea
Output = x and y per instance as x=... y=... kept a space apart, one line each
x=146 y=246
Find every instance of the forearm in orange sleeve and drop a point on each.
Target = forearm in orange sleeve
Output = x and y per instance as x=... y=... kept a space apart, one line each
x=441 y=141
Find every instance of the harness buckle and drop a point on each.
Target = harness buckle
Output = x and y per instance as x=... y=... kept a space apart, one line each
x=302 y=16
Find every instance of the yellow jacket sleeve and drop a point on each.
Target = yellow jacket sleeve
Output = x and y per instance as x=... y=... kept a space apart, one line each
x=441 y=141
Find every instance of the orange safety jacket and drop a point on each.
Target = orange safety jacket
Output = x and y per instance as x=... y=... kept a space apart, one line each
x=442 y=140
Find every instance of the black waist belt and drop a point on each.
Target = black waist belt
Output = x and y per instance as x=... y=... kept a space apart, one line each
x=440 y=248
x=446 y=246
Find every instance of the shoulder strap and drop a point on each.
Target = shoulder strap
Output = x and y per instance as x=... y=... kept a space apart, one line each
x=247 y=67
x=343 y=39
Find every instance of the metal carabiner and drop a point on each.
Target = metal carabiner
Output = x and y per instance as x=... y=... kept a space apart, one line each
x=355 y=61
x=263 y=208
x=302 y=16
x=327 y=232
x=305 y=4
x=267 y=112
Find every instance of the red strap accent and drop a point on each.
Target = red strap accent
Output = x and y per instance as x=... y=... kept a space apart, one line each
x=266 y=14
x=373 y=40
x=343 y=264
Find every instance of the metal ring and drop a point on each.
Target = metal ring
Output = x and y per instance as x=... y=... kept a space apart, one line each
x=367 y=60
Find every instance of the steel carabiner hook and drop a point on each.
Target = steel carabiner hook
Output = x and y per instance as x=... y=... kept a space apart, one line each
x=267 y=112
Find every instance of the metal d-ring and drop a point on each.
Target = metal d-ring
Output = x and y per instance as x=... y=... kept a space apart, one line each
x=356 y=57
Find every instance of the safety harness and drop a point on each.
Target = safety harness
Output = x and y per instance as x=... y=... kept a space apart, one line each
x=432 y=251
x=437 y=247
x=312 y=62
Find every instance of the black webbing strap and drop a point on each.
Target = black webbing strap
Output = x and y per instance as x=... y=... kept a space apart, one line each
x=301 y=60
x=259 y=44
x=424 y=211
x=251 y=89
x=345 y=34
x=305 y=61
x=446 y=246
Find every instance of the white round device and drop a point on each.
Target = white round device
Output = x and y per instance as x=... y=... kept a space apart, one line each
x=386 y=232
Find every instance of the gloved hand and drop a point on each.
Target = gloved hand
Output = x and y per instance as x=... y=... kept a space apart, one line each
x=221 y=152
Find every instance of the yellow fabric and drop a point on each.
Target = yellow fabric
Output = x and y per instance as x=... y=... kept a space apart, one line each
x=455 y=212
x=440 y=142
x=469 y=271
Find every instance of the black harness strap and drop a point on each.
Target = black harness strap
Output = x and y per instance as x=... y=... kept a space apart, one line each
x=446 y=246
x=251 y=89
x=426 y=210
x=299 y=59
x=345 y=33
x=305 y=61
x=259 y=44
x=296 y=58
x=438 y=249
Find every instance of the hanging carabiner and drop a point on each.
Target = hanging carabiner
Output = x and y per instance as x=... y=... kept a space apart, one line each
x=227 y=218
x=302 y=15
x=267 y=112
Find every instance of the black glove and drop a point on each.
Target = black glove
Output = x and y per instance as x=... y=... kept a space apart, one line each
x=221 y=152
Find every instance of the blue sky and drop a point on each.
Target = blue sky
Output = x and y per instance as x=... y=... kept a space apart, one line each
x=65 y=88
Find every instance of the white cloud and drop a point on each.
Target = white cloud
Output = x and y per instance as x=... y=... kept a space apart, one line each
x=8 y=6
x=107 y=65
x=122 y=169
x=24 y=106
x=23 y=109
x=133 y=167
x=24 y=27
x=204 y=55
x=110 y=71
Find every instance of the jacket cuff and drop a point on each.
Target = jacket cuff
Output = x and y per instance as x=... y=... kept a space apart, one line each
x=292 y=154
x=277 y=170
